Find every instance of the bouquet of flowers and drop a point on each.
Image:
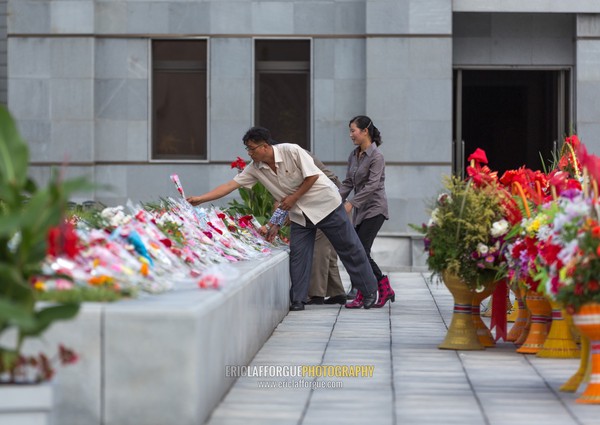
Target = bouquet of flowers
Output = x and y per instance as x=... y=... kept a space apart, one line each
x=576 y=280
x=466 y=231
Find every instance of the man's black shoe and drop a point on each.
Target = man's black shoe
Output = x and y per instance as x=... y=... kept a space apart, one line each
x=315 y=300
x=352 y=294
x=297 y=306
x=338 y=299
x=369 y=300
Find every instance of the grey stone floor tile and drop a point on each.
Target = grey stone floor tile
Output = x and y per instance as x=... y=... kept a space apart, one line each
x=413 y=382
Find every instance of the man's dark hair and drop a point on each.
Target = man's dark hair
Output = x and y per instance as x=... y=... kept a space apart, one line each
x=257 y=134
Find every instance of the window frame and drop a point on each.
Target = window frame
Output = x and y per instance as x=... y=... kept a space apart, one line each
x=151 y=103
x=310 y=81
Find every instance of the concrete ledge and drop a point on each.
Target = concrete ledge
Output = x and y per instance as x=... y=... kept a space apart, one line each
x=399 y=252
x=160 y=359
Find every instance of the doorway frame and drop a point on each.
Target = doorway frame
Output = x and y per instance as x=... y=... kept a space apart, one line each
x=564 y=82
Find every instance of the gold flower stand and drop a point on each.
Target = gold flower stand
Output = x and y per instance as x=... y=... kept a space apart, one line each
x=461 y=334
x=483 y=332
x=583 y=371
x=587 y=320
x=540 y=310
x=560 y=343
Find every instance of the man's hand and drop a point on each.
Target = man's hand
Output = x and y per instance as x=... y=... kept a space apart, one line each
x=263 y=230
x=272 y=233
x=194 y=200
x=216 y=193
x=288 y=202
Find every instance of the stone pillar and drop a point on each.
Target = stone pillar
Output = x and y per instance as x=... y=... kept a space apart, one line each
x=409 y=94
x=587 y=80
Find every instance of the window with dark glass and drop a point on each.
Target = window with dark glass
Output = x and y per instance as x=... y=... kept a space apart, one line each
x=179 y=99
x=282 y=91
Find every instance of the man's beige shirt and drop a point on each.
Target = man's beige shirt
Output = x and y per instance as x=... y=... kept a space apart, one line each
x=293 y=165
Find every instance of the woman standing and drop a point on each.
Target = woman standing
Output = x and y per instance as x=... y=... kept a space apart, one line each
x=366 y=177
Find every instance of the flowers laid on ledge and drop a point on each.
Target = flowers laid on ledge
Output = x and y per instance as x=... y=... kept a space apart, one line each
x=150 y=248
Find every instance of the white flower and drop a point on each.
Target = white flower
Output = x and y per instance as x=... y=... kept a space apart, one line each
x=115 y=216
x=499 y=228
x=482 y=248
x=434 y=219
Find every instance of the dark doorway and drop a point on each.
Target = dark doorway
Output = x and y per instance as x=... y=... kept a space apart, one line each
x=516 y=117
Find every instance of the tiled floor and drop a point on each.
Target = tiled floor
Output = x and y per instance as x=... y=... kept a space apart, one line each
x=413 y=383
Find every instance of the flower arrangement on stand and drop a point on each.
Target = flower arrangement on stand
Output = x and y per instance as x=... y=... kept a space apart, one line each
x=577 y=287
x=463 y=239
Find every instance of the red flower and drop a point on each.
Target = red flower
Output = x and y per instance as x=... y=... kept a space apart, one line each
x=239 y=163
x=220 y=232
x=245 y=221
x=478 y=156
x=593 y=285
x=550 y=253
x=589 y=161
x=62 y=240
x=66 y=355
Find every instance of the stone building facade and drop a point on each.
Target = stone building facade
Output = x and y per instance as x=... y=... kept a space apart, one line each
x=84 y=82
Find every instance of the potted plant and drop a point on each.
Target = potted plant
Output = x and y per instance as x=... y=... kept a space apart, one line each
x=27 y=214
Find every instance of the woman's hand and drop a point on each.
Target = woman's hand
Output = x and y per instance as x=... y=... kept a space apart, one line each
x=348 y=207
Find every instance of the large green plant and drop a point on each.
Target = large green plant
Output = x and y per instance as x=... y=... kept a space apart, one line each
x=27 y=212
x=256 y=201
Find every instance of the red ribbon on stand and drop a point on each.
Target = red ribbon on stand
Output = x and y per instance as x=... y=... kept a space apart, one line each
x=498 y=319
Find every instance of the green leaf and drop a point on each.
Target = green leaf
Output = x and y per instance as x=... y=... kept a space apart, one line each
x=16 y=315
x=46 y=316
x=14 y=155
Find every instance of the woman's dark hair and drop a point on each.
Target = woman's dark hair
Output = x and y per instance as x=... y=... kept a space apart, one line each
x=364 y=122
x=258 y=134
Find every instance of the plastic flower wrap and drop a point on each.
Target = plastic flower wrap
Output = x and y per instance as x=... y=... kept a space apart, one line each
x=123 y=250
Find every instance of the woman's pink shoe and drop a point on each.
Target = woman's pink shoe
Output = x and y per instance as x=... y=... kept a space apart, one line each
x=357 y=302
x=385 y=292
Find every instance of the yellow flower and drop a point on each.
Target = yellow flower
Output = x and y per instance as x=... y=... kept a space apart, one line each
x=39 y=285
x=534 y=226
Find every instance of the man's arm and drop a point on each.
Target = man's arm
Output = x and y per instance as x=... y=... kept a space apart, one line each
x=216 y=193
x=289 y=201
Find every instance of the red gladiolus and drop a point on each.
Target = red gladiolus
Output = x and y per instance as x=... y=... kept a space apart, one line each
x=593 y=285
x=589 y=161
x=239 y=163
x=478 y=156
